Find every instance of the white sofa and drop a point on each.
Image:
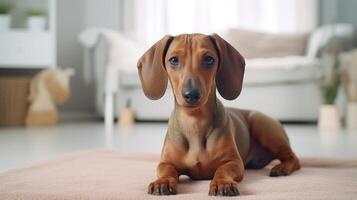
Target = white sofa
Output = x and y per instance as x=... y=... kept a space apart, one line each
x=281 y=83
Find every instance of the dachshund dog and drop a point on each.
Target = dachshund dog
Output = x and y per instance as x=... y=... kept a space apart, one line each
x=205 y=140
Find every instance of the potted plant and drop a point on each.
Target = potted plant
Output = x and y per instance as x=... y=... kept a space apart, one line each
x=329 y=86
x=5 y=18
x=36 y=20
x=349 y=82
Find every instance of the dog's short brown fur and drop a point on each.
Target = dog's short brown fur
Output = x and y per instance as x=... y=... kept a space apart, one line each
x=205 y=140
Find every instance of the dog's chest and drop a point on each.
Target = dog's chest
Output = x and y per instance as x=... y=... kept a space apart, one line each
x=198 y=161
x=198 y=164
x=196 y=154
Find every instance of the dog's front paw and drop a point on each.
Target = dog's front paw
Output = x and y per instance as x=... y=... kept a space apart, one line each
x=223 y=187
x=163 y=186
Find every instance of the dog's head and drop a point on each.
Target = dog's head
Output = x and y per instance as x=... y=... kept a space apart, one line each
x=195 y=64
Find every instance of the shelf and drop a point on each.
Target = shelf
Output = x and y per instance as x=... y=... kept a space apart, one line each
x=25 y=48
x=22 y=48
x=22 y=30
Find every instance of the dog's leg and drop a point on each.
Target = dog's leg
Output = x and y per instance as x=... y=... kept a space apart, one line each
x=226 y=178
x=167 y=180
x=271 y=135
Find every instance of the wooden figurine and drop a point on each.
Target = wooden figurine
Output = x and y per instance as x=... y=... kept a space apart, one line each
x=48 y=88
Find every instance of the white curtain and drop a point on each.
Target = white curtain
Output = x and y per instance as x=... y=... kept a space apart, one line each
x=205 y=16
x=144 y=20
x=279 y=15
x=149 y=20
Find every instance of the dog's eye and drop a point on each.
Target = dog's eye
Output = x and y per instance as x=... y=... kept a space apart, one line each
x=174 y=61
x=208 y=60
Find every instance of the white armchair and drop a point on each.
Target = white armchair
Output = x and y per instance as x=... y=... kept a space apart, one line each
x=283 y=86
x=111 y=55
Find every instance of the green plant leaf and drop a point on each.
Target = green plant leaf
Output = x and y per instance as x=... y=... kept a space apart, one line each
x=329 y=89
x=5 y=8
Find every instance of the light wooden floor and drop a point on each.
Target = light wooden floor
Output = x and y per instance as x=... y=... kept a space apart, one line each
x=20 y=146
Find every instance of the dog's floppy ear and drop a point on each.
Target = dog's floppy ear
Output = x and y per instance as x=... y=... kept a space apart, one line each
x=152 y=71
x=230 y=72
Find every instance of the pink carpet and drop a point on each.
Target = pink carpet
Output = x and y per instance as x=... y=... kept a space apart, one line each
x=106 y=174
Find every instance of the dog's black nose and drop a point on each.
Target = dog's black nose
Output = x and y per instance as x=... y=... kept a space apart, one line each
x=192 y=95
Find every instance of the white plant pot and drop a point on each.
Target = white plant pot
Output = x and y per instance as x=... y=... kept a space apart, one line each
x=351 y=118
x=36 y=23
x=329 y=118
x=5 y=21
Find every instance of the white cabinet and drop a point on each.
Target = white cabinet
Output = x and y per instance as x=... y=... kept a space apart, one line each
x=22 y=48
x=26 y=49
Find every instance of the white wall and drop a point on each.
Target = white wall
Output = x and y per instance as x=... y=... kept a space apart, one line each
x=73 y=16
x=340 y=11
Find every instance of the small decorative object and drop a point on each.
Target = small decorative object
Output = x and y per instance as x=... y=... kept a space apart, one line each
x=349 y=81
x=36 y=20
x=126 y=117
x=5 y=17
x=329 y=85
x=48 y=88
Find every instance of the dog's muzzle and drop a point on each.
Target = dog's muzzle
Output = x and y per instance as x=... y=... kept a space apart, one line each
x=191 y=93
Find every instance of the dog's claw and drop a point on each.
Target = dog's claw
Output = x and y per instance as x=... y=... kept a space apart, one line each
x=279 y=170
x=163 y=186
x=172 y=190
x=213 y=192
x=156 y=191
x=236 y=191
x=223 y=188
x=278 y=173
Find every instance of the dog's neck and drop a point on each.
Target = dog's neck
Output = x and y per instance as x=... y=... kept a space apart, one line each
x=199 y=122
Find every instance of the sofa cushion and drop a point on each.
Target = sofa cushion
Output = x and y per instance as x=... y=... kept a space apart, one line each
x=252 y=44
x=281 y=70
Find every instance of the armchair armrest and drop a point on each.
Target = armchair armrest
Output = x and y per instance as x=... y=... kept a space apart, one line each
x=344 y=34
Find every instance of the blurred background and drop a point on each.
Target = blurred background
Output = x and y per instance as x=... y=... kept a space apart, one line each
x=147 y=21
x=65 y=61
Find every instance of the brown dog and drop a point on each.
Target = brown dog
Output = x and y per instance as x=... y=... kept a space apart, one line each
x=204 y=140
